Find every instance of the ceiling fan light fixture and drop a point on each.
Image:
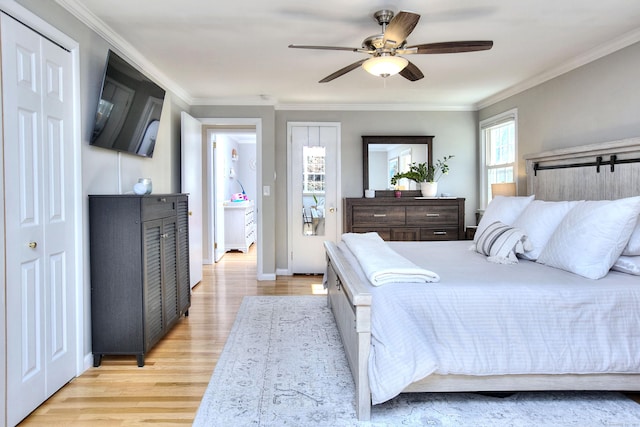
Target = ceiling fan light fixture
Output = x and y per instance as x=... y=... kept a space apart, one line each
x=385 y=66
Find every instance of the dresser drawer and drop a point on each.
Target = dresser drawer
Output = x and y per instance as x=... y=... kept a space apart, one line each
x=440 y=233
x=432 y=215
x=155 y=207
x=382 y=215
x=405 y=234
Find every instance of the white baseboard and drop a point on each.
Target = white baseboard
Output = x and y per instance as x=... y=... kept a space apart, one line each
x=87 y=362
x=283 y=272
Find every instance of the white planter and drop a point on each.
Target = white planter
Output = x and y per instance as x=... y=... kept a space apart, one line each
x=429 y=189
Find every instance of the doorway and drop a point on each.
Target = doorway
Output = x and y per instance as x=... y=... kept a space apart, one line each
x=232 y=155
x=214 y=193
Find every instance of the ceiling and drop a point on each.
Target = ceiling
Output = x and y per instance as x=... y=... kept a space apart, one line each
x=236 y=52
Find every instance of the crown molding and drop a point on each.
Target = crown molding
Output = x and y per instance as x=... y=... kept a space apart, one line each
x=264 y=100
x=258 y=100
x=601 y=51
x=77 y=9
x=373 y=107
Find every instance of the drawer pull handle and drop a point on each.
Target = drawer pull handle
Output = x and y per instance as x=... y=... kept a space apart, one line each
x=440 y=233
x=379 y=215
x=433 y=214
x=162 y=199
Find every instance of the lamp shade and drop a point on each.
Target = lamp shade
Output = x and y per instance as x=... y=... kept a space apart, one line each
x=385 y=66
x=503 y=189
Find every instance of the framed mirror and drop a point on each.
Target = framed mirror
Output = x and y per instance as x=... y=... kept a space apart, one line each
x=383 y=156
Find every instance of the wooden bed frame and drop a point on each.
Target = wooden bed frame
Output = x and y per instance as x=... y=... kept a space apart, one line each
x=599 y=171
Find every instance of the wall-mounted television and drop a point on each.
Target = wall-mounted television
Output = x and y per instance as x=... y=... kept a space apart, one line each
x=129 y=108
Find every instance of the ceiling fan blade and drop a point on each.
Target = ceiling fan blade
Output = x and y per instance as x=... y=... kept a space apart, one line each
x=342 y=71
x=351 y=49
x=452 y=47
x=400 y=27
x=411 y=72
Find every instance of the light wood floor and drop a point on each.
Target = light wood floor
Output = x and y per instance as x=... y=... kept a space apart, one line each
x=168 y=389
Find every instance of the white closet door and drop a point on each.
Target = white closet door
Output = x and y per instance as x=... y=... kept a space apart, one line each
x=38 y=165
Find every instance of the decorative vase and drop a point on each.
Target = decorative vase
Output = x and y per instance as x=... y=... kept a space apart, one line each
x=429 y=189
x=397 y=193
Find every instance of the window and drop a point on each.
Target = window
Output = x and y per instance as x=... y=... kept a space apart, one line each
x=498 y=143
x=313 y=173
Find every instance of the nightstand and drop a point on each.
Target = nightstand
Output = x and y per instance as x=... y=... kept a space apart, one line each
x=470 y=232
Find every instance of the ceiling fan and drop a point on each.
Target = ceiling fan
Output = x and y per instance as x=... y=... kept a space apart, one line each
x=386 y=47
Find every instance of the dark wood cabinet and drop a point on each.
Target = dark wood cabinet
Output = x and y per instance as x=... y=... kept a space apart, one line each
x=139 y=271
x=406 y=219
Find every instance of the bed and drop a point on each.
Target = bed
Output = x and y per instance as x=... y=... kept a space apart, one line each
x=487 y=326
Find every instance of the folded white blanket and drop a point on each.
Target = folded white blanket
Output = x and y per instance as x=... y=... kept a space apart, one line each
x=381 y=264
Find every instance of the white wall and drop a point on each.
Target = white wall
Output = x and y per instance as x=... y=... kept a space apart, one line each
x=378 y=161
x=246 y=174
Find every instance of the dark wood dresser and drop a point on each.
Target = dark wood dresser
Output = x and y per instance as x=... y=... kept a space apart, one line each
x=406 y=219
x=139 y=271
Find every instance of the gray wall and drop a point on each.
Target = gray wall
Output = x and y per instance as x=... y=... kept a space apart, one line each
x=455 y=133
x=597 y=102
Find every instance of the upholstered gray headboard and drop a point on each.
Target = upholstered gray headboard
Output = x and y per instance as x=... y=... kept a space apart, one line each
x=608 y=170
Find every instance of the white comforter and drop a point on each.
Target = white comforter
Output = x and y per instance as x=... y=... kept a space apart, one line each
x=491 y=319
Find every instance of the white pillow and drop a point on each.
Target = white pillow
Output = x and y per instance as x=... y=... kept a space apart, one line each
x=592 y=236
x=628 y=264
x=633 y=247
x=502 y=242
x=504 y=209
x=539 y=220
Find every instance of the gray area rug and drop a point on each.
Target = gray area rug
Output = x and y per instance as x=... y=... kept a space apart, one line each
x=284 y=365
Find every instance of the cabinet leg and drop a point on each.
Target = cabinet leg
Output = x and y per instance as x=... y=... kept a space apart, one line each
x=140 y=359
x=97 y=360
x=186 y=313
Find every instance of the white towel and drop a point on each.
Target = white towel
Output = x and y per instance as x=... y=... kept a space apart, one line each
x=381 y=264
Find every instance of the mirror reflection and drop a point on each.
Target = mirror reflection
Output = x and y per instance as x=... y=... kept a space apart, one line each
x=385 y=160
x=313 y=191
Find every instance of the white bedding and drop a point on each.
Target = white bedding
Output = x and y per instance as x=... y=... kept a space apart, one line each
x=493 y=319
x=381 y=264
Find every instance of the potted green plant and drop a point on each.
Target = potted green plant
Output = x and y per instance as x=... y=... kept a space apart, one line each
x=425 y=175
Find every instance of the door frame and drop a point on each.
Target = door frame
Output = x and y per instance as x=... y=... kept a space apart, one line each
x=257 y=123
x=83 y=361
x=338 y=205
